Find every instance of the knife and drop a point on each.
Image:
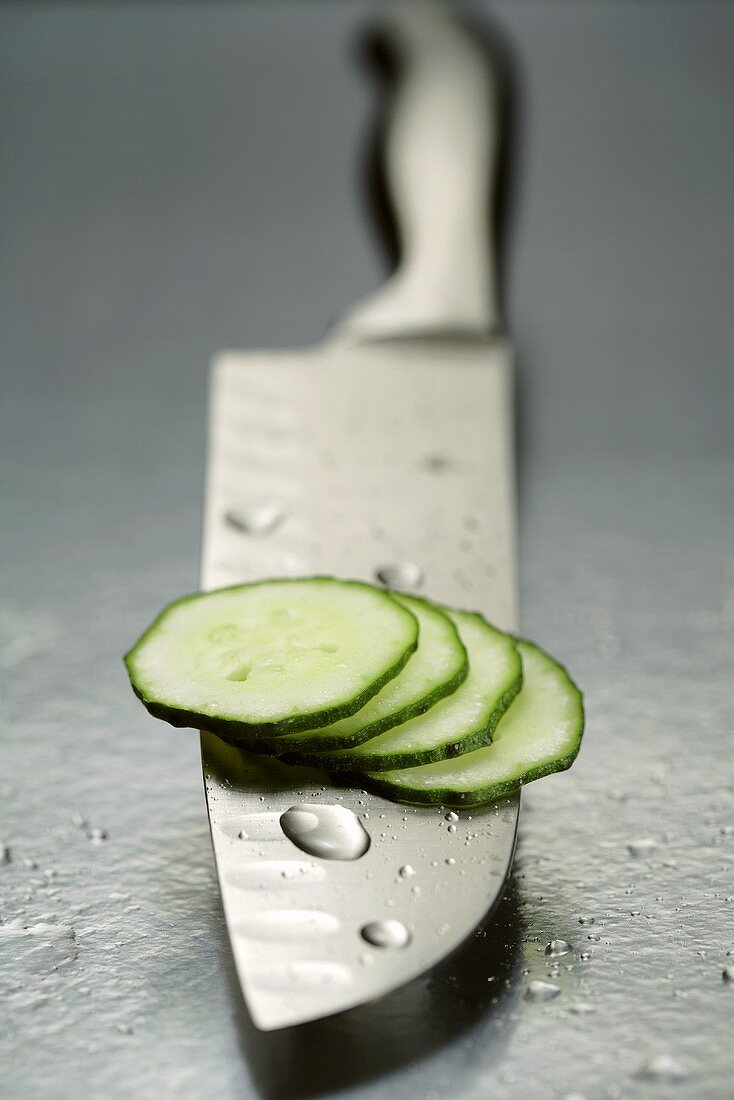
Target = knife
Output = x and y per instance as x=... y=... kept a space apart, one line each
x=383 y=454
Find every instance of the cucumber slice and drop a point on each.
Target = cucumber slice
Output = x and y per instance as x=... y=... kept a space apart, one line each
x=439 y=666
x=272 y=656
x=458 y=724
x=540 y=734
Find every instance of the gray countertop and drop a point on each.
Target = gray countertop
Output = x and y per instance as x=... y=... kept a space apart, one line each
x=179 y=178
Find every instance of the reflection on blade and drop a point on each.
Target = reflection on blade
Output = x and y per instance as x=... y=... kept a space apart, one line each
x=313 y=935
x=389 y=463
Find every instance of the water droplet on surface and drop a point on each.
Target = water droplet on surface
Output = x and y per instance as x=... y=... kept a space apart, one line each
x=642 y=848
x=541 y=991
x=581 y=1008
x=585 y=955
x=262 y=519
x=401 y=575
x=728 y=974
x=557 y=948
x=661 y=1067
x=97 y=835
x=451 y=829
x=450 y=861
x=587 y=920
x=386 y=933
x=406 y=871
x=594 y=937
x=328 y=832
x=451 y=816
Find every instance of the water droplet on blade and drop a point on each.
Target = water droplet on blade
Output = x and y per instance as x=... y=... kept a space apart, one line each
x=437 y=463
x=401 y=575
x=256 y=827
x=728 y=974
x=407 y=871
x=261 y=519
x=328 y=832
x=270 y=874
x=386 y=933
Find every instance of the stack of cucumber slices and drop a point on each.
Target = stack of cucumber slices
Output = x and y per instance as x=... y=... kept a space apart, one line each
x=423 y=703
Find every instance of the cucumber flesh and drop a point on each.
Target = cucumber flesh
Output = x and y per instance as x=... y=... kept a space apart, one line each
x=458 y=724
x=273 y=656
x=540 y=734
x=438 y=667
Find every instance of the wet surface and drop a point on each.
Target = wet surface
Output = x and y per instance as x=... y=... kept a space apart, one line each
x=115 y=973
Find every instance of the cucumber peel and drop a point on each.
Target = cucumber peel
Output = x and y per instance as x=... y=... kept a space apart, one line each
x=540 y=734
x=457 y=724
x=423 y=704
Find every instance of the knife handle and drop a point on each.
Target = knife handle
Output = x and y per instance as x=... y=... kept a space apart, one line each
x=439 y=163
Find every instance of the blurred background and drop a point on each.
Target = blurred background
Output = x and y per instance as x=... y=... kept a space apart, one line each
x=181 y=177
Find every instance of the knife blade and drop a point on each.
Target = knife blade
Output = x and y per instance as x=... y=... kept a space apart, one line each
x=384 y=454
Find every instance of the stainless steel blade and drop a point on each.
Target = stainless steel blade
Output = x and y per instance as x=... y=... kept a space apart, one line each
x=387 y=460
